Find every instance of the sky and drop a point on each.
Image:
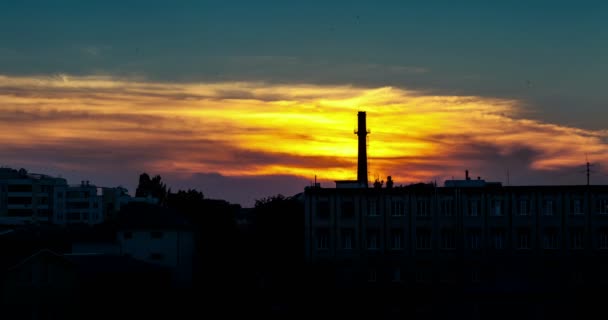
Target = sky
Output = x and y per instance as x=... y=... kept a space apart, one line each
x=247 y=99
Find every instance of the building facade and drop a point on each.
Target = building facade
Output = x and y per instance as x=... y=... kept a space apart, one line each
x=38 y=198
x=26 y=197
x=78 y=204
x=424 y=233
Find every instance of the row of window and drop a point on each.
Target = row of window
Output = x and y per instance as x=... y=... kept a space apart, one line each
x=153 y=235
x=497 y=239
x=77 y=216
x=446 y=208
x=421 y=276
x=475 y=276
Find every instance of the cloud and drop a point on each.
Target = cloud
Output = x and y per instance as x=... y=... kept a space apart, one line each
x=97 y=125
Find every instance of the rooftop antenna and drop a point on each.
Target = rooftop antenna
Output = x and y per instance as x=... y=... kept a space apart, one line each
x=588 y=168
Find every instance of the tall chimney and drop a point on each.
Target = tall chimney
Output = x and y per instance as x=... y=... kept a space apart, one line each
x=362 y=164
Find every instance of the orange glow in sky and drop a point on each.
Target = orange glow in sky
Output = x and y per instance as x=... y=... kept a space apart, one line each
x=248 y=129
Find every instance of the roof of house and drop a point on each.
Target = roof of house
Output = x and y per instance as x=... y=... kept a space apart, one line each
x=111 y=263
x=36 y=255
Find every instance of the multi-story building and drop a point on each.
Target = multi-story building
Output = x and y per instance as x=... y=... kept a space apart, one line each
x=425 y=221
x=27 y=197
x=38 y=198
x=467 y=230
x=78 y=204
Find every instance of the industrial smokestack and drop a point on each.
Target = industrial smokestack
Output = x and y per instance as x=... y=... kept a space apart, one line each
x=362 y=164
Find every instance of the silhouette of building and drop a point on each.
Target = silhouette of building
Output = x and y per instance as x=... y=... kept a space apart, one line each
x=157 y=235
x=468 y=233
x=148 y=233
x=26 y=197
x=51 y=285
x=80 y=204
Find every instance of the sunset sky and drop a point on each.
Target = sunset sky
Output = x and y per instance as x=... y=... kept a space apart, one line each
x=247 y=99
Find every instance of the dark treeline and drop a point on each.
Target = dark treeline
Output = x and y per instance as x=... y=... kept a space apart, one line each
x=260 y=261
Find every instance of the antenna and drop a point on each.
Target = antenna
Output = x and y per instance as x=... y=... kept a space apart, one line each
x=508 y=178
x=588 y=166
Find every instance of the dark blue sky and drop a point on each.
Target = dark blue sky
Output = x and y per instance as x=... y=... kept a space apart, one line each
x=551 y=54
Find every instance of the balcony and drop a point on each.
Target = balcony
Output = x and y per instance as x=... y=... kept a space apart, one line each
x=26 y=194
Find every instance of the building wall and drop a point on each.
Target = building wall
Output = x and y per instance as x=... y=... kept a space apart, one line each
x=171 y=248
x=406 y=230
x=26 y=197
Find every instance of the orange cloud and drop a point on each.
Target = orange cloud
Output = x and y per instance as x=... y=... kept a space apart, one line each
x=249 y=129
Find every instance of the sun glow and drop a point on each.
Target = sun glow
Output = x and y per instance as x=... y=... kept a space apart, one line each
x=250 y=128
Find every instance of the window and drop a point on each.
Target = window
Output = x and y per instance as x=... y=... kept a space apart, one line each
x=498 y=239
x=576 y=206
x=448 y=240
x=474 y=208
x=20 y=200
x=20 y=188
x=323 y=210
x=371 y=275
x=497 y=208
x=548 y=207
x=322 y=239
x=602 y=206
x=347 y=239
x=523 y=239
x=348 y=209
x=156 y=234
x=576 y=239
x=73 y=215
x=372 y=239
x=372 y=208
x=60 y=195
x=422 y=208
x=423 y=239
x=420 y=277
x=396 y=274
x=475 y=278
x=397 y=208
x=603 y=240
x=473 y=238
x=128 y=235
x=446 y=207
x=550 y=240
x=523 y=207
x=156 y=256
x=396 y=239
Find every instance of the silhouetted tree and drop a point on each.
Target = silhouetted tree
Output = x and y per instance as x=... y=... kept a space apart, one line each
x=378 y=183
x=215 y=228
x=279 y=225
x=153 y=187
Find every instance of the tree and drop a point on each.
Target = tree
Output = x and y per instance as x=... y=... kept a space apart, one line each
x=279 y=240
x=152 y=187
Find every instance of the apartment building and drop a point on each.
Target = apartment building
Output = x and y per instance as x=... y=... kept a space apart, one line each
x=27 y=197
x=78 y=204
x=416 y=229
x=39 y=198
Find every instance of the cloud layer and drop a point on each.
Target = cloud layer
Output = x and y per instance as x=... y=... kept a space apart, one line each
x=105 y=128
